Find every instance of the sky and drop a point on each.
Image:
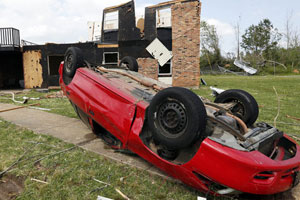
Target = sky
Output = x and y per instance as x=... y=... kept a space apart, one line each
x=65 y=21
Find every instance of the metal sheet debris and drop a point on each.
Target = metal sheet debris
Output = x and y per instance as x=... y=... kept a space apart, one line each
x=159 y=52
x=244 y=66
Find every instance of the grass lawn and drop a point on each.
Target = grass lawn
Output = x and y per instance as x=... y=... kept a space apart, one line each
x=60 y=106
x=70 y=174
x=261 y=87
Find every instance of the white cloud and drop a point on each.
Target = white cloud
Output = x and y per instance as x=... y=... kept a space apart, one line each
x=223 y=29
x=52 y=20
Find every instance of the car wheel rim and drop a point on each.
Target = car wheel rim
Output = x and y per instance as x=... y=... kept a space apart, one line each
x=69 y=63
x=172 y=117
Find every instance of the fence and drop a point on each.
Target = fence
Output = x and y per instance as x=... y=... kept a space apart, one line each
x=9 y=37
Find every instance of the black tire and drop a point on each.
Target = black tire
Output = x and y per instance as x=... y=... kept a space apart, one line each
x=176 y=117
x=246 y=108
x=72 y=61
x=130 y=63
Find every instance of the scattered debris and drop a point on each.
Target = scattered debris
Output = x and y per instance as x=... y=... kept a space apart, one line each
x=291 y=117
x=39 y=181
x=117 y=190
x=123 y=195
x=58 y=94
x=38 y=108
x=245 y=66
x=42 y=90
x=102 y=198
x=25 y=99
x=203 y=81
x=159 y=52
x=54 y=88
x=216 y=91
x=100 y=181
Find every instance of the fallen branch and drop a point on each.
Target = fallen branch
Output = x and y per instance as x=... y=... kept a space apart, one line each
x=123 y=195
x=39 y=181
x=291 y=117
x=278 y=107
x=19 y=107
x=100 y=181
x=271 y=61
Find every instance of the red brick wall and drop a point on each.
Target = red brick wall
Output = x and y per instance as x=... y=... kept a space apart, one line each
x=148 y=67
x=186 y=44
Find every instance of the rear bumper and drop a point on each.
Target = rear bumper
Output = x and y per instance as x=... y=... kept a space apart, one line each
x=250 y=172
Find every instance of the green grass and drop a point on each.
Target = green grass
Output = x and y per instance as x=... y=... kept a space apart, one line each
x=261 y=87
x=60 y=106
x=70 y=175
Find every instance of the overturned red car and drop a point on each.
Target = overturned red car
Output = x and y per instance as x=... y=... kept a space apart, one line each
x=212 y=146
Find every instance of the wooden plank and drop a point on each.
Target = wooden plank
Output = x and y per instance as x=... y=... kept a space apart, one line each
x=115 y=7
x=32 y=69
x=108 y=46
x=168 y=3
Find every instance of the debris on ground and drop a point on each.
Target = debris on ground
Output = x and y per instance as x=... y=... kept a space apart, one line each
x=38 y=108
x=58 y=94
x=19 y=107
x=291 y=117
x=116 y=189
x=102 y=198
x=216 y=91
x=39 y=181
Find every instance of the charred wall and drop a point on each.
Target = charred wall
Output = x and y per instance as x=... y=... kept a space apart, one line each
x=50 y=56
x=11 y=70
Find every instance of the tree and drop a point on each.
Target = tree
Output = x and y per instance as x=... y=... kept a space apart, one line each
x=260 y=38
x=210 y=48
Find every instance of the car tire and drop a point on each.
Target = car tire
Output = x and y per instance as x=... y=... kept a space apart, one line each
x=176 y=117
x=130 y=63
x=72 y=61
x=246 y=108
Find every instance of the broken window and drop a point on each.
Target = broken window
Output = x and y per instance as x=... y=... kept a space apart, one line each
x=110 y=58
x=53 y=64
x=163 y=17
x=165 y=70
x=111 y=20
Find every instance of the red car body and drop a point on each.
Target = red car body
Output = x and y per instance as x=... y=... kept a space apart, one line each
x=109 y=102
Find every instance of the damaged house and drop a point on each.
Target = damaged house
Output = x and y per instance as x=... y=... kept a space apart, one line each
x=165 y=45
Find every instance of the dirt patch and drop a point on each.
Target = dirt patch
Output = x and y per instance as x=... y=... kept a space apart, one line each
x=10 y=187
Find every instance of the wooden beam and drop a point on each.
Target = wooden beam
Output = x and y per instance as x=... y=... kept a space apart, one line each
x=108 y=46
x=169 y=3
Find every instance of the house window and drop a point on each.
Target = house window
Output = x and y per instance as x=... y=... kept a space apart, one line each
x=110 y=58
x=163 y=17
x=111 y=20
x=166 y=70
